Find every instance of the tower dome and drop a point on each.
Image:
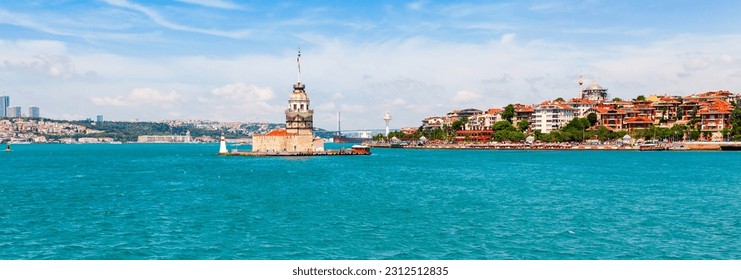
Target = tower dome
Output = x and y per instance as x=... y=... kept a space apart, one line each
x=299 y=93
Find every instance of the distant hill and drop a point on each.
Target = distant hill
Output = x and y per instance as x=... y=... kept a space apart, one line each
x=130 y=131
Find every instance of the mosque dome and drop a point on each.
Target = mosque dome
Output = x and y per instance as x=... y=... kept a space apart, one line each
x=595 y=86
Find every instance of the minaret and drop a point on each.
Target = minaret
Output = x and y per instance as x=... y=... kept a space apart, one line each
x=299 y=118
x=387 y=118
x=222 y=145
x=581 y=82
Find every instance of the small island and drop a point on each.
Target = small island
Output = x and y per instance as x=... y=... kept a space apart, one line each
x=296 y=139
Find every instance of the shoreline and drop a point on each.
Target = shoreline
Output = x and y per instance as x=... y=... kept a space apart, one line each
x=672 y=146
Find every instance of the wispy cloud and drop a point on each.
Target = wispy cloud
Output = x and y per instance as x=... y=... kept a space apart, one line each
x=76 y=28
x=416 y=5
x=25 y=21
x=221 y=4
x=160 y=20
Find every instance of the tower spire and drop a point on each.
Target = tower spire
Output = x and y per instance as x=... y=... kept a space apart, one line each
x=298 y=62
x=581 y=82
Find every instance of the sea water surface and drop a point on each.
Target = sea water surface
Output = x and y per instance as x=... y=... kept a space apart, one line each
x=182 y=201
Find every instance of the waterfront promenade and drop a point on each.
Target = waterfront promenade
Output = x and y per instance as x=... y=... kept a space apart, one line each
x=671 y=146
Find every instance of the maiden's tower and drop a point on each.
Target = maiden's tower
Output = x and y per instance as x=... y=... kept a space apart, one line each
x=297 y=137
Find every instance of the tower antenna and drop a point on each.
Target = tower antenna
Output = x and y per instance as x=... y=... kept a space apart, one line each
x=298 y=62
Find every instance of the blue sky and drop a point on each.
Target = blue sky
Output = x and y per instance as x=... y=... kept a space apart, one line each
x=235 y=60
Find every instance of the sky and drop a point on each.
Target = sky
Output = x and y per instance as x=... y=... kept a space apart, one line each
x=225 y=60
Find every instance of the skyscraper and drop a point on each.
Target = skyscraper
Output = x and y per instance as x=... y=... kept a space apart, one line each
x=33 y=112
x=13 y=112
x=4 y=103
x=99 y=118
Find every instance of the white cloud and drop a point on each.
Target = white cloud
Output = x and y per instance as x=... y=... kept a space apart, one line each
x=397 y=102
x=416 y=5
x=727 y=59
x=507 y=38
x=465 y=96
x=697 y=63
x=243 y=92
x=139 y=97
x=57 y=66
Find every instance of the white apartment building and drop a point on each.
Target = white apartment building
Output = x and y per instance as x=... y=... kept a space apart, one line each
x=485 y=120
x=581 y=106
x=552 y=116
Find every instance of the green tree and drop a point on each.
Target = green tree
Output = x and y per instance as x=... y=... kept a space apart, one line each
x=558 y=100
x=602 y=133
x=616 y=99
x=694 y=134
x=735 y=123
x=726 y=132
x=678 y=131
x=523 y=125
x=502 y=126
x=458 y=124
x=641 y=98
x=578 y=124
x=592 y=118
x=508 y=113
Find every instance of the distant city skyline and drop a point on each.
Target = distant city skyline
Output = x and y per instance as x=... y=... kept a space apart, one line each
x=234 y=61
x=16 y=111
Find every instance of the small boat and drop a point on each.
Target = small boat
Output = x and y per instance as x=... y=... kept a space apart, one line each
x=361 y=149
x=730 y=147
x=651 y=147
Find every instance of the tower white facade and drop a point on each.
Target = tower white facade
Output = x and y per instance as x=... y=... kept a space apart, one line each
x=222 y=145
x=387 y=118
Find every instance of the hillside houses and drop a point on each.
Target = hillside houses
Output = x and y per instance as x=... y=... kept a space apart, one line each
x=708 y=112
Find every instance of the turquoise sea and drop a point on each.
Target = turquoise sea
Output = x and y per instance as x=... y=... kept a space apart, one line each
x=182 y=201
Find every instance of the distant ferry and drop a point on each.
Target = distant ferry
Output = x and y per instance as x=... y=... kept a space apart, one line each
x=359 y=137
x=345 y=139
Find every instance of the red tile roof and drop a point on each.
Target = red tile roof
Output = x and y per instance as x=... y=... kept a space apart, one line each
x=278 y=132
x=493 y=111
x=639 y=120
